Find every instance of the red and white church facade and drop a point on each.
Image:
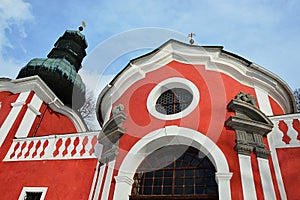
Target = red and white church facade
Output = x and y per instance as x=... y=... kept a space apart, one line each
x=181 y=122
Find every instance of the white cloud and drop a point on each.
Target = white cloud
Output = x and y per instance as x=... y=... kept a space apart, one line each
x=13 y=14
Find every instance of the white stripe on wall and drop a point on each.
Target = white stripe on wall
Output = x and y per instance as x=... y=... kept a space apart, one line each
x=263 y=101
x=12 y=116
x=108 y=180
x=29 y=117
x=266 y=179
x=248 y=186
x=97 y=185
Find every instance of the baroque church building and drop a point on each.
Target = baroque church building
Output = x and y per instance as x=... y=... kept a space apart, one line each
x=181 y=122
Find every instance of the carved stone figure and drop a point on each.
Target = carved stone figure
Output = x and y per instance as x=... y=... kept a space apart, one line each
x=248 y=98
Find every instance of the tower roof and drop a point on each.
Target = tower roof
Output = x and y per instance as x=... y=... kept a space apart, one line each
x=60 y=69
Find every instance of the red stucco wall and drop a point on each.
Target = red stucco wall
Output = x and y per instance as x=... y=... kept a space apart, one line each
x=216 y=91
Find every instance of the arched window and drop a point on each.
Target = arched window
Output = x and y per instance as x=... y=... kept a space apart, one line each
x=173 y=101
x=175 y=172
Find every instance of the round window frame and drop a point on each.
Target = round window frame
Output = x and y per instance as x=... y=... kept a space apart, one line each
x=169 y=84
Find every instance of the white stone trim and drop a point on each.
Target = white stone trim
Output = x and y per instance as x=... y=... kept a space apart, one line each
x=36 y=84
x=223 y=180
x=12 y=116
x=43 y=190
x=172 y=135
x=34 y=109
x=266 y=179
x=123 y=179
x=263 y=101
x=29 y=117
x=249 y=191
x=97 y=185
x=214 y=59
x=20 y=103
x=176 y=82
x=108 y=180
x=274 y=141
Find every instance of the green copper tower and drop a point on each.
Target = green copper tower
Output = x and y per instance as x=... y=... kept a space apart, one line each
x=60 y=70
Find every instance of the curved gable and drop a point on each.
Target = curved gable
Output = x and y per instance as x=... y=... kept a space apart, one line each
x=214 y=58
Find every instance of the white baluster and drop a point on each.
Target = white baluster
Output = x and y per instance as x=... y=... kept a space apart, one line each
x=29 y=157
x=292 y=133
x=18 y=150
x=70 y=147
x=88 y=146
x=79 y=147
x=276 y=135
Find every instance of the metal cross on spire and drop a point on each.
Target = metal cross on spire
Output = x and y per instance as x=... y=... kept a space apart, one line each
x=191 y=35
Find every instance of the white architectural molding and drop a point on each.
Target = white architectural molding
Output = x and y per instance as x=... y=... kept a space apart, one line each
x=175 y=82
x=29 y=117
x=12 y=116
x=223 y=180
x=108 y=180
x=249 y=191
x=172 y=135
x=213 y=58
x=43 y=190
x=36 y=84
x=123 y=179
x=266 y=179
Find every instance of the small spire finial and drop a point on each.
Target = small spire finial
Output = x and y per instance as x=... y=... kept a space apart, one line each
x=191 y=35
x=83 y=25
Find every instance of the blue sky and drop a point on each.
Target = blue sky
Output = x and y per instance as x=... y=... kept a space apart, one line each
x=263 y=31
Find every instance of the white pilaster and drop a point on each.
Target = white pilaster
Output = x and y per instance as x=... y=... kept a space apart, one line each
x=12 y=116
x=97 y=182
x=108 y=180
x=29 y=117
x=223 y=180
x=123 y=186
x=266 y=179
x=248 y=186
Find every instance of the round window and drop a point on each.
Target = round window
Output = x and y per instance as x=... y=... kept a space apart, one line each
x=173 y=101
x=173 y=98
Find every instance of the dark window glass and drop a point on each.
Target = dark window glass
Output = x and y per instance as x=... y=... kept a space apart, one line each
x=33 y=195
x=173 y=101
x=176 y=175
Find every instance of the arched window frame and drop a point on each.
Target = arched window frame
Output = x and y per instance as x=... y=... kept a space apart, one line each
x=175 y=171
x=175 y=135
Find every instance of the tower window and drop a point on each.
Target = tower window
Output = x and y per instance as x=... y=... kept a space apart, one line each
x=173 y=101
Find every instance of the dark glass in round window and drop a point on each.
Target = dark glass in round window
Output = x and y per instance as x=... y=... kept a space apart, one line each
x=173 y=101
